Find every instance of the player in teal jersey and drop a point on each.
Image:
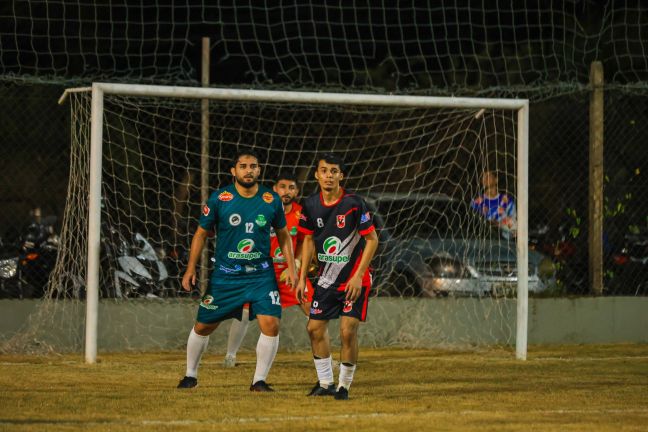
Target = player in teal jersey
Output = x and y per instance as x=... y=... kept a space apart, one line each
x=241 y=216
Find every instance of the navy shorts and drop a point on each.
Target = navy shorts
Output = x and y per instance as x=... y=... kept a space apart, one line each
x=224 y=299
x=330 y=303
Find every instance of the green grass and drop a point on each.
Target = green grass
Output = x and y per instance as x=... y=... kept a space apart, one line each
x=557 y=388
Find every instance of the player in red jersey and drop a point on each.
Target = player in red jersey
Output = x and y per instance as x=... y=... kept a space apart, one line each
x=338 y=229
x=286 y=187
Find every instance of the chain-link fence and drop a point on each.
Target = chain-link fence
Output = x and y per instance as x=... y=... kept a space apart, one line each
x=35 y=163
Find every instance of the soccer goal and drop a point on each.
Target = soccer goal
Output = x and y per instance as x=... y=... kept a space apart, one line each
x=145 y=157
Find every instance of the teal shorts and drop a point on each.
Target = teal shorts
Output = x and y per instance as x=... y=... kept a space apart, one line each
x=224 y=299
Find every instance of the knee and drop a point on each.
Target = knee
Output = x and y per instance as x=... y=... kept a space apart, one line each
x=315 y=330
x=348 y=334
x=204 y=329
x=269 y=327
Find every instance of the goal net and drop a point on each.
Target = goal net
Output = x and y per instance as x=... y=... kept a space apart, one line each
x=444 y=274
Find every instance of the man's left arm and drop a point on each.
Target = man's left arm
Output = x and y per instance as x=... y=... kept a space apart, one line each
x=354 y=286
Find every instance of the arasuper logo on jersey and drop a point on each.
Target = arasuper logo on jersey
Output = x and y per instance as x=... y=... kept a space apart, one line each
x=245 y=248
x=332 y=246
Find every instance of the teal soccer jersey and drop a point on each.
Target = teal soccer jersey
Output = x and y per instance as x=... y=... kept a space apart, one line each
x=242 y=228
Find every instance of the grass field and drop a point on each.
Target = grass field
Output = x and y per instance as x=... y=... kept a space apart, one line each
x=558 y=388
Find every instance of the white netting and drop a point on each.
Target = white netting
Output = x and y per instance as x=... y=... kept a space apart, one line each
x=441 y=271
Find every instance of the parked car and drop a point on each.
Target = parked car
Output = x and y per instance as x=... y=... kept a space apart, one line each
x=434 y=245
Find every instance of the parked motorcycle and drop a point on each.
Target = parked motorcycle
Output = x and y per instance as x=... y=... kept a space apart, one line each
x=570 y=262
x=629 y=269
x=39 y=247
x=10 y=286
x=133 y=268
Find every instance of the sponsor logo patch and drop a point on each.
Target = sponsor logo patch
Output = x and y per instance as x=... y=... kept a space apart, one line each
x=267 y=197
x=226 y=269
x=278 y=256
x=332 y=246
x=315 y=311
x=261 y=220
x=206 y=210
x=207 y=303
x=365 y=217
x=226 y=196
x=235 y=219
x=244 y=248
x=341 y=221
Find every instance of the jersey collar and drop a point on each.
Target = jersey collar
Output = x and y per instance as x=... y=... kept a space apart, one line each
x=336 y=202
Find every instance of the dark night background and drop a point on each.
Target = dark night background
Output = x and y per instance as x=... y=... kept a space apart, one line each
x=541 y=50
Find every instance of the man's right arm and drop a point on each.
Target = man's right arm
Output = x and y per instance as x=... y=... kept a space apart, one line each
x=197 y=244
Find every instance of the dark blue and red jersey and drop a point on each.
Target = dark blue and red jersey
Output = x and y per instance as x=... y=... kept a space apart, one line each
x=338 y=232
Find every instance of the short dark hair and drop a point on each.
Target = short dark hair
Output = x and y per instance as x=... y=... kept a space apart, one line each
x=286 y=175
x=240 y=154
x=330 y=158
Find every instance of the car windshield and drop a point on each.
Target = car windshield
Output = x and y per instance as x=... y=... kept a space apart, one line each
x=429 y=217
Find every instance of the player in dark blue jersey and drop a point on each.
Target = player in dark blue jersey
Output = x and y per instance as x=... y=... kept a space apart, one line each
x=241 y=216
x=339 y=230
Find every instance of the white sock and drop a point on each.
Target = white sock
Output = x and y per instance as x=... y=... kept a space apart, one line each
x=196 y=345
x=324 y=369
x=346 y=375
x=266 y=351
x=237 y=333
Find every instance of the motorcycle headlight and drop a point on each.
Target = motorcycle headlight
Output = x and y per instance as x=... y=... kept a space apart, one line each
x=448 y=268
x=8 y=268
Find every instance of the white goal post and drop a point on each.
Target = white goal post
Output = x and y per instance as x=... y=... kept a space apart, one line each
x=99 y=90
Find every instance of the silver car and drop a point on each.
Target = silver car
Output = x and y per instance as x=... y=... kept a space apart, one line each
x=434 y=245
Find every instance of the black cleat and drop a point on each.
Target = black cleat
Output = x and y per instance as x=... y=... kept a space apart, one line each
x=261 y=386
x=188 y=382
x=342 y=394
x=318 y=390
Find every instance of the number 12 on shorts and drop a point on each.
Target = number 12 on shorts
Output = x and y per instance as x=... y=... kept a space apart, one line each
x=274 y=295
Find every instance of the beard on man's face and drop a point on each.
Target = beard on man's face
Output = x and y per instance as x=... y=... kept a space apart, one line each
x=287 y=199
x=246 y=182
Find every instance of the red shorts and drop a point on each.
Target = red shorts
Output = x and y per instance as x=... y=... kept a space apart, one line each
x=288 y=296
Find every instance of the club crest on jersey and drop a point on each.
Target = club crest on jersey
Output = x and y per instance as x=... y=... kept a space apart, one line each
x=341 y=220
x=348 y=305
x=365 y=217
x=293 y=231
x=206 y=210
x=226 y=196
x=267 y=197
